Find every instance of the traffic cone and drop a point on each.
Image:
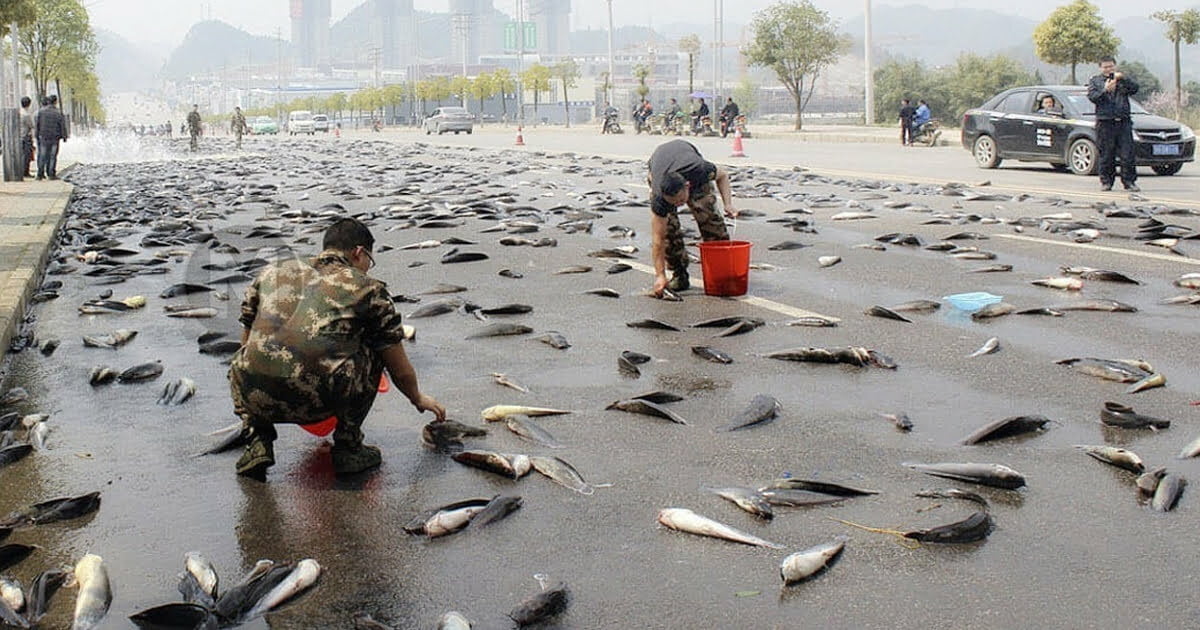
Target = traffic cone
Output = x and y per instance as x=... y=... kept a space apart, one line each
x=737 y=144
x=520 y=138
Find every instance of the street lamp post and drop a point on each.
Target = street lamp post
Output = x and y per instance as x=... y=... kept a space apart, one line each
x=869 y=92
x=520 y=63
x=611 y=78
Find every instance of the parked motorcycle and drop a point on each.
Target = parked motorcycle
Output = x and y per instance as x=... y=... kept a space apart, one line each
x=703 y=126
x=928 y=134
x=611 y=124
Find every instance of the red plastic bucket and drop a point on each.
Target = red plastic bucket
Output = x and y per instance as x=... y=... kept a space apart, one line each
x=326 y=426
x=726 y=267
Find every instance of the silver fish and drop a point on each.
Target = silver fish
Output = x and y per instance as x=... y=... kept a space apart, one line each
x=712 y=355
x=1007 y=427
x=899 y=419
x=816 y=322
x=453 y=621
x=507 y=381
x=95 y=593
x=990 y=346
x=802 y=565
x=748 y=499
x=1191 y=450
x=998 y=309
x=500 y=329
x=561 y=472
x=685 y=520
x=303 y=577
x=200 y=568
x=1166 y=495
x=828 y=261
x=529 y=430
x=761 y=409
x=996 y=475
x=554 y=339
x=1114 y=456
x=646 y=408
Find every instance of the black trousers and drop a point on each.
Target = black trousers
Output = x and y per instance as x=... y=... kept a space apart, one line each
x=1115 y=140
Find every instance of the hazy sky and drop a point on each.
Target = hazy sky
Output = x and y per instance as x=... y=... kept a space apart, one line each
x=167 y=21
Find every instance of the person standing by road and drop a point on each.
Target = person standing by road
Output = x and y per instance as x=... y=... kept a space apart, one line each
x=193 y=126
x=50 y=128
x=27 y=126
x=907 y=112
x=1110 y=91
x=237 y=124
x=680 y=175
x=317 y=335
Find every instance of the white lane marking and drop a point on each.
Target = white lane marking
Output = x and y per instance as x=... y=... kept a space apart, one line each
x=763 y=303
x=1102 y=248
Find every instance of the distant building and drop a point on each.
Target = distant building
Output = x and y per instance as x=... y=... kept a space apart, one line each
x=553 y=20
x=394 y=26
x=475 y=29
x=310 y=33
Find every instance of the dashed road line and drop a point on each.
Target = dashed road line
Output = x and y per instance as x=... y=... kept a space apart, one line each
x=763 y=303
x=1101 y=248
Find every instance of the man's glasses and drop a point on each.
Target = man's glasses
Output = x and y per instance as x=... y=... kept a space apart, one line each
x=369 y=257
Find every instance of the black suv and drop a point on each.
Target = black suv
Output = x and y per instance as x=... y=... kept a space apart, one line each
x=1010 y=126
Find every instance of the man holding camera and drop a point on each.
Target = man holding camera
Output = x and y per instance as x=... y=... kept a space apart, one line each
x=1110 y=91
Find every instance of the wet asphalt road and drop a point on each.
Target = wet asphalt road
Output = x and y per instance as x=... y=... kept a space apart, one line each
x=1073 y=549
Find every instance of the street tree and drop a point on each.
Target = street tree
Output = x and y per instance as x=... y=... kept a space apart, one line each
x=973 y=79
x=905 y=78
x=505 y=85
x=337 y=102
x=460 y=88
x=746 y=95
x=567 y=73
x=394 y=95
x=58 y=41
x=536 y=78
x=690 y=46
x=796 y=40
x=483 y=87
x=1073 y=34
x=440 y=89
x=1183 y=27
x=19 y=12
x=640 y=72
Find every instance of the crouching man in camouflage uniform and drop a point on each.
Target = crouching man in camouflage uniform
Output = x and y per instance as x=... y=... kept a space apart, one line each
x=318 y=334
x=679 y=175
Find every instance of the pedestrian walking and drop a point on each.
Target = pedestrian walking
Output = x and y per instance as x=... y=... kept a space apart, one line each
x=237 y=124
x=907 y=112
x=680 y=175
x=1110 y=91
x=50 y=129
x=27 y=126
x=317 y=335
x=193 y=126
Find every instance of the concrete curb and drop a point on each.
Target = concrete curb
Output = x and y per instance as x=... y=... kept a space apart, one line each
x=32 y=214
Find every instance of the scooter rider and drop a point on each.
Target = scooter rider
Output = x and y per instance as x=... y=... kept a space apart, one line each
x=610 y=117
x=674 y=113
x=698 y=115
x=729 y=113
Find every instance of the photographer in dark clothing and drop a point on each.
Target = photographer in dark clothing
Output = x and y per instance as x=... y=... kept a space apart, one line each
x=1110 y=91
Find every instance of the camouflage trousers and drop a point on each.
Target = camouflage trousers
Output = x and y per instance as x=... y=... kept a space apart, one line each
x=703 y=204
x=194 y=143
x=349 y=393
x=238 y=136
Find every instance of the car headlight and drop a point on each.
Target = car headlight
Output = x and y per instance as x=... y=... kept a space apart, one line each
x=1187 y=132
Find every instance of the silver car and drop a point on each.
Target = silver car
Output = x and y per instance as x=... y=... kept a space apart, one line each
x=456 y=119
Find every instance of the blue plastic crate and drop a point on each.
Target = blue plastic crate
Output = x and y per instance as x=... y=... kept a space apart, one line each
x=971 y=302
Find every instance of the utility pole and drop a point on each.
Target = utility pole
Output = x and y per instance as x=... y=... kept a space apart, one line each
x=612 y=79
x=716 y=42
x=869 y=92
x=16 y=64
x=520 y=62
x=721 y=50
x=278 y=69
x=463 y=26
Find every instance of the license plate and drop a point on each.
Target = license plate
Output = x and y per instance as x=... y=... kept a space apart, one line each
x=1165 y=149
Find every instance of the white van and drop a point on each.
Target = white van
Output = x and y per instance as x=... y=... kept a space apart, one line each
x=300 y=121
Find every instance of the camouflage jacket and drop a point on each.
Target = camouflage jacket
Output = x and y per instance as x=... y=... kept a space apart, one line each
x=307 y=317
x=237 y=123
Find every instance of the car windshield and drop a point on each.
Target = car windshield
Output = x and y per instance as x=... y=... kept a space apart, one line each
x=301 y=116
x=262 y=119
x=453 y=110
x=1088 y=108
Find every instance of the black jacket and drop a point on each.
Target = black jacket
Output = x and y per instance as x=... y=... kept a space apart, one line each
x=1111 y=105
x=50 y=125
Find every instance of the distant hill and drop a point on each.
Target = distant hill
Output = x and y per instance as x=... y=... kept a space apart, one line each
x=123 y=67
x=211 y=45
x=939 y=36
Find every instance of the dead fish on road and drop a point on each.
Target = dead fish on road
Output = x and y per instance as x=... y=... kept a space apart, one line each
x=185 y=288
x=447 y=435
x=990 y=346
x=13 y=554
x=506 y=381
x=999 y=309
x=463 y=257
x=805 y=564
x=1119 y=370
x=101 y=375
x=657 y=397
x=496 y=413
x=916 y=306
x=899 y=419
x=95 y=593
x=1008 y=427
x=711 y=355
x=798 y=498
x=561 y=472
x=507 y=309
x=786 y=246
x=1119 y=415
x=542 y=606
x=176 y=615
x=439 y=307
x=886 y=313
x=1191 y=450
x=1114 y=456
x=748 y=499
x=812 y=485
x=142 y=372
x=1089 y=273
x=201 y=312
x=554 y=339
x=652 y=324
x=1063 y=283
x=497 y=509
x=618 y=268
x=814 y=322
x=1166 y=495
x=996 y=475
x=975 y=527
x=573 y=269
x=761 y=409
x=14 y=453
x=177 y=392
x=301 y=578
x=1108 y=306
x=852 y=216
x=53 y=511
x=445 y=520
x=501 y=329
x=953 y=493
x=992 y=269
x=603 y=292
x=530 y=431
x=113 y=340
x=828 y=261
x=854 y=355
x=646 y=408
x=511 y=466
x=685 y=520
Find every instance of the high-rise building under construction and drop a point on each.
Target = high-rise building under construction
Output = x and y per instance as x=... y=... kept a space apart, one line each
x=553 y=20
x=310 y=33
x=394 y=32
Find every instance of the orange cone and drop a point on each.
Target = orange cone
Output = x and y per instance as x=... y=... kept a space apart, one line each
x=520 y=138
x=737 y=144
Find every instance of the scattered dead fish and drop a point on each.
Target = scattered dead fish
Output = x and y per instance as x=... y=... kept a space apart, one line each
x=761 y=409
x=992 y=269
x=505 y=380
x=549 y=603
x=507 y=309
x=1191 y=450
x=1108 y=306
x=446 y=519
x=685 y=520
x=496 y=413
x=997 y=475
x=1104 y=275
x=646 y=408
x=203 y=312
x=1150 y=382
x=814 y=322
x=805 y=564
x=1147 y=482
x=1063 y=283
x=886 y=313
x=999 y=309
x=828 y=261
x=463 y=257
x=953 y=493
x=990 y=346
x=975 y=527
x=812 y=485
x=1118 y=370
x=652 y=324
x=530 y=431
x=447 y=435
x=1008 y=427
x=500 y=329
x=745 y=325
x=916 y=306
x=497 y=509
x=95 y=593
x=899 y=419
x=573 y=269
x=657 y=397
x=561 y=472
x=628 y=367
x=554 y=339
x=747 y=499
x=177 y=392
x=439 y=307
x=603 y=292
x=142 y=372
x=113 y=340
x=497 y=463
x=1114 y=456
x=711 y=355
x=798 y=498
x=1167 y=494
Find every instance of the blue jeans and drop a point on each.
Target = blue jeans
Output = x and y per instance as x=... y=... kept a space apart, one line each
x=47 y=159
